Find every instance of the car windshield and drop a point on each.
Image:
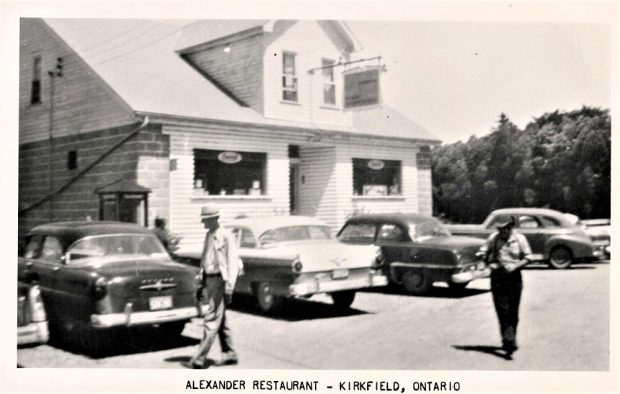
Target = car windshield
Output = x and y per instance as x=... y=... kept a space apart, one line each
x=135 y=245
x=431 y=228
x=295 y=233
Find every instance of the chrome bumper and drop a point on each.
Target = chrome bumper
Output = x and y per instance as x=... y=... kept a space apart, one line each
x=130 y=318
x=33 y=333
x=328 y=285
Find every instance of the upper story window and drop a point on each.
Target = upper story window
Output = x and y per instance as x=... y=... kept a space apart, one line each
x=329 y=86
x=289 y=80
x=35 y=90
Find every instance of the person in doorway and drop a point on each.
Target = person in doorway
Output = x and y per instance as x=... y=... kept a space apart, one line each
x=506 y=252
x=219 y=267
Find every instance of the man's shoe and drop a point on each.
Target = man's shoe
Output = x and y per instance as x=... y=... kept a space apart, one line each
x=191 y=364
x=228 y=361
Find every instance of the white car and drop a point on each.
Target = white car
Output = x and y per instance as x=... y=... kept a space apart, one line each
x=296 y=256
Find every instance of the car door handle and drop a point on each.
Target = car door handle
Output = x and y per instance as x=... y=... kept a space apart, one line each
x=56 y=269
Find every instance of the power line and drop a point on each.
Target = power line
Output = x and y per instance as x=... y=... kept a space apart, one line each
x=136 y=49
x=109 y=39
x=88 y=59
x=122 y=43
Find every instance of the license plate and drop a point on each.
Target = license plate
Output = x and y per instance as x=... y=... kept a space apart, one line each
x=340 y=274
x=163 y=302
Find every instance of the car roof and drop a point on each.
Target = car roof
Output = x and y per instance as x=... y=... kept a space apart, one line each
x=402 y=218
x=530 y=211
x=260 y=224
x=72 y=231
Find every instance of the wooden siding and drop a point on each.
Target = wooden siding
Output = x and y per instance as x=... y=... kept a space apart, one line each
x=185 y=206
x=310 y=43
x=82 y=101
x=350 y=205
x=318 y=187
x=326 y=167
x=239 y=71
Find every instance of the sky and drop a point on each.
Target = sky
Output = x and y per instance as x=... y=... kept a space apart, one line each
x=456 y=78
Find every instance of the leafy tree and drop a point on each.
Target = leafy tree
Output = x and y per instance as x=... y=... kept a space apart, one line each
x=561 y=160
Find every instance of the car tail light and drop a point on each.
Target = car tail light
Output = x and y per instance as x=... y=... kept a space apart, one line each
x=379 y=259
x=101 y=287
x=297 y=266
x=36 y=305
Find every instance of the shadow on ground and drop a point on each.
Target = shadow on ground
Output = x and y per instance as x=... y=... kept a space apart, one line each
x=436 y=291
x=293 y=309
x=491 y=350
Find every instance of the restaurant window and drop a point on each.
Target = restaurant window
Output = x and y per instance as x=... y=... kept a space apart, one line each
x=372 y=177
x=329 y=86
x=35 y=90
x=289 y=80
x=225 y=173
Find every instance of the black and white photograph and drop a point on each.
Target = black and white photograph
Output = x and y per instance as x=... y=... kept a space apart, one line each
x=307 y=196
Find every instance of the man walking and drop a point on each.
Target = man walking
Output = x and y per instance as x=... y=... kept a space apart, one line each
x=507 y=252
x=219 y=267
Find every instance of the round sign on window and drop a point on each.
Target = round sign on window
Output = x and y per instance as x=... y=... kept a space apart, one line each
x=229 y=157
x=376 y=164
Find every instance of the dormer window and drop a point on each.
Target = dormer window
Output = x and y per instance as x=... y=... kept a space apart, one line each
x=35 y=90
x=289 y=80
x=329 y=86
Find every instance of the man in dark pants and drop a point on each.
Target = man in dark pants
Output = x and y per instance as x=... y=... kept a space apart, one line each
x=507 y=252
x=219 y=267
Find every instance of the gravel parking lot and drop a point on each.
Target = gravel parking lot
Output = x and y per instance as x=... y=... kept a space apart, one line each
x=564 y=327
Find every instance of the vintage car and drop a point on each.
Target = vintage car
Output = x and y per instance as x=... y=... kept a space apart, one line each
x=599 y=231
x=296 y=256
x=31 y=318
x=100 y=275
x=552 y=236
x=418 y=249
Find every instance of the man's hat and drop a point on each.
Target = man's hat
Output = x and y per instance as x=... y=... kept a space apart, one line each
x=208 y=212
x=504 y=222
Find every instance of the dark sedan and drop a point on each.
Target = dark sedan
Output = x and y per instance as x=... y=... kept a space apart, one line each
x=418 y=249
x=99 y=275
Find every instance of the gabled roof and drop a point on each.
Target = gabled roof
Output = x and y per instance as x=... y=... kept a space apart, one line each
x=137 y=59
x=202 y=32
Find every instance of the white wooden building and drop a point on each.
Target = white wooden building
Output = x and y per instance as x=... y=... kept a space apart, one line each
x=247 y=115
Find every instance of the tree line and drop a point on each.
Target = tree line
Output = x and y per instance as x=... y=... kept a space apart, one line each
x=561 y=160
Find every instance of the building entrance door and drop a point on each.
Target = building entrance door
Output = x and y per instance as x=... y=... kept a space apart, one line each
x=294 y=187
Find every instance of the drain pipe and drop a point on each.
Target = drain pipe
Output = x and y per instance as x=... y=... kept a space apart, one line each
x=71 y=181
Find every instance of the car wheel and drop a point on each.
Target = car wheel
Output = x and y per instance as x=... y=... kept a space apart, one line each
x=343 y=299
x=560 y=257
x=267 y=301
x=416 y=282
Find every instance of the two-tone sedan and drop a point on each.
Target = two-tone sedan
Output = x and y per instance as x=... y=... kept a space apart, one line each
x=101 y=275
x=418 y=249
x=296 y=256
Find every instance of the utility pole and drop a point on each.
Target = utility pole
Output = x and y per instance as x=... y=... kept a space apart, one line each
x=53 y=74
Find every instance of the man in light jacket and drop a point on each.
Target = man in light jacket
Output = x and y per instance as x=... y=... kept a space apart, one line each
x=220 y=266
